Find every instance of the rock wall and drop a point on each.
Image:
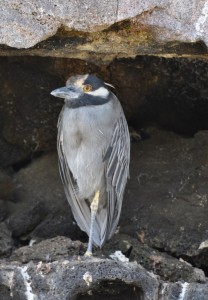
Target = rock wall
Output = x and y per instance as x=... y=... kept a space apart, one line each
x=101 y=31
x=32 y=22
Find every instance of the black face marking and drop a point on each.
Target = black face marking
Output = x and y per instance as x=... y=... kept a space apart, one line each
x=94 y=81
x=86 y=100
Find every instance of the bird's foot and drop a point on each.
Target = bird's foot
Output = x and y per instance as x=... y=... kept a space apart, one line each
x=88 y=254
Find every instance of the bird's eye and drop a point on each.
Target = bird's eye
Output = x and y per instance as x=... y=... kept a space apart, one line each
x=87 y=88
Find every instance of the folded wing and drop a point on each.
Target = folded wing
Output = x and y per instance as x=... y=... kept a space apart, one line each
x=117 y=158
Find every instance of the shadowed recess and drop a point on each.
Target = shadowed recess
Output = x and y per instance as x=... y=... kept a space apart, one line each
x=112 y=290
x=5 y=292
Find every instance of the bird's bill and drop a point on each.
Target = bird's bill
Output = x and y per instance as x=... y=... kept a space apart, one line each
x=64 y=92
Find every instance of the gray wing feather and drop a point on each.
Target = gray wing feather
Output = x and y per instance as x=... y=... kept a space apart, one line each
x=117 y=158
x=80 y=210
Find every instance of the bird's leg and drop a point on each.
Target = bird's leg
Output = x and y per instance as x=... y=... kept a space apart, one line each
x=94 y=208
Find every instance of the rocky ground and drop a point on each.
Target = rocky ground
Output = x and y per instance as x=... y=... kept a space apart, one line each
x=163 y=228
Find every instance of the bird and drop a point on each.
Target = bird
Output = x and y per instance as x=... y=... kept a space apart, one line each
x=93 y=146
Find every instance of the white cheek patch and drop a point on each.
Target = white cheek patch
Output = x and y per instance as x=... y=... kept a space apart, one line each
x=80 y=81
x=101 y=92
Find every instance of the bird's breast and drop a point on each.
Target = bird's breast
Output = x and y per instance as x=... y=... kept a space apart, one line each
x=86 y=136
x=75 y=139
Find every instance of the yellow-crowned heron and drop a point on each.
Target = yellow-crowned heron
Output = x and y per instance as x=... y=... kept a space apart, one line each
x=94 y=153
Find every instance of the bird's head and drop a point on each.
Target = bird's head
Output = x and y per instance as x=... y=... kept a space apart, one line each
x=84 y=90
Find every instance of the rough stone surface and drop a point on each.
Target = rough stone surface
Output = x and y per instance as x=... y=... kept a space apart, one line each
x=49 y=250
x=166 y=202
x=166 y=266
x=171 y=93
x=65 y=279
x=169 y=268
x=183 y=291
x=12 y=154
x=6 y=241
x=24 y=216
x=58 y=272
x=25 y=24
x=6 y=185
x=40 y=182
x=120 y=41
x=3 y=210
x=28 y=114
x=41 y=209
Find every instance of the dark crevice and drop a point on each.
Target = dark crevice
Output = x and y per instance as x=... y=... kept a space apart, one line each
x=24 y=163
x=112 y=290
x=198 y=261
x=165 y=251
x=169 y=93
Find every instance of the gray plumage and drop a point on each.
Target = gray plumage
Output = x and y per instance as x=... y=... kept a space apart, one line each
x=94 y=152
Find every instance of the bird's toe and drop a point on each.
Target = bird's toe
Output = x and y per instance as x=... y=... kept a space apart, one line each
x=88 y=254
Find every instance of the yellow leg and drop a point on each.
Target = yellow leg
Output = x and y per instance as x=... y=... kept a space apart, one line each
x=94 y=208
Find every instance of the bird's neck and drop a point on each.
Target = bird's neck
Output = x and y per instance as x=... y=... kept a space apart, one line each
x=86 y=100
